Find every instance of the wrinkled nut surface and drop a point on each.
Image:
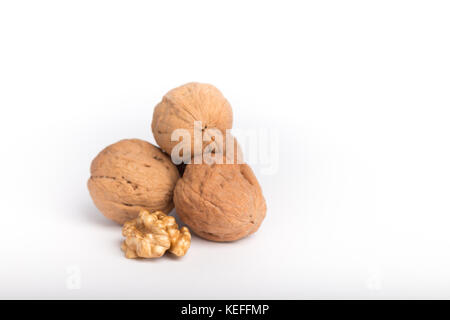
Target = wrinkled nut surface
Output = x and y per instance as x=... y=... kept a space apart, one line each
x=191 y=102
x=129 y=176
x=150 y=235
x=220 y=202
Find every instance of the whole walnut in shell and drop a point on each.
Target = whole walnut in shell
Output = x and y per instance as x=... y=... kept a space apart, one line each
x=129 y=176
x=220 y=202
x=191 y=102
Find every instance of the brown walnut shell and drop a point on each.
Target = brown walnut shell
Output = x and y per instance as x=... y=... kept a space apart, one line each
x=129 y=176
x=220 y=202
x=181 y=106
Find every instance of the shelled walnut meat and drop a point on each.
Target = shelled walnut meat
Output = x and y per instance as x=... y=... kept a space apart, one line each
x=220 y=202
x=150 y=235
x=129 y=176
x=191 y=102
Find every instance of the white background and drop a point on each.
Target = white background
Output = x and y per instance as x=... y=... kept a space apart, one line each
x=358 y=91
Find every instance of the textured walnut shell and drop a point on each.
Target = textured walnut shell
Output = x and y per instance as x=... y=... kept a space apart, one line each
x=191 y=102
x=129 y=176
x=220 y=202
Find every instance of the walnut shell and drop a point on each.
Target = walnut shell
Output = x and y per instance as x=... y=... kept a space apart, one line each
x=220 y=202
x=129 y=176
x=181 y=106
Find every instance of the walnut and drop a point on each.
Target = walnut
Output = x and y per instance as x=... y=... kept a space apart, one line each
x=150 y=235
x=220 y=202
x=191 y=102
x=146 y=236
x=129 y=176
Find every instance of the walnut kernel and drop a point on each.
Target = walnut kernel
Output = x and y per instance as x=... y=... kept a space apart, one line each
x=150 y=235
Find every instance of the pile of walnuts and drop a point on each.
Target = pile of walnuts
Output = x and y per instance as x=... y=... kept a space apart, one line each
x=137 y=184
